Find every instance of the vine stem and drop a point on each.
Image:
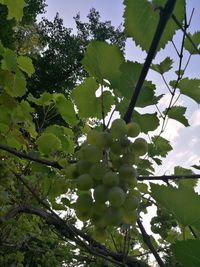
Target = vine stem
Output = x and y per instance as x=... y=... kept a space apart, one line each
x=148 y=242
x=165 y=14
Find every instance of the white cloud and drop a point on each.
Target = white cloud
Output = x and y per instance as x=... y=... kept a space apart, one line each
x=196 y=118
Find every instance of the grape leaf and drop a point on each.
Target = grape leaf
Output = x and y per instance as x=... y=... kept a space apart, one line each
x=103 y=61
x=25 y=64
x=187 y=252
x=190 y=88
x=196 y=39
x=9 y=61
x=141 y=21
x=177 y=113
x=66 y=109
x=148 y=122
x=183 y=202
x=178 y=170
x=159 y=147
x=164 y=66
x=86 y=101
x=48 y=143
x=15 y=8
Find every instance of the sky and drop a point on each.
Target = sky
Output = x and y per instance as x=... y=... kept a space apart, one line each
x=186 y=141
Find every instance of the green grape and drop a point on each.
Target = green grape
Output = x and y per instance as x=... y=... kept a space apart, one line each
x=129 y=157
x=113 y=216
x=100 y=139
x=140 y=146
x=99 y=208
x=124 y=142
x=91 y=153
x=130 y=217
x=84 y=215
x=84 y=182
x=98 y=170
x=116 y=148
x=100 y=235
x=83 y=166
x=133 y=129
x=131 y=202
x=110 y=179
x=116 y=197
x=118 y=128
x=84 y=202
x=128 y=174
x=100 y=194
x=98 y=220
x=71 y=171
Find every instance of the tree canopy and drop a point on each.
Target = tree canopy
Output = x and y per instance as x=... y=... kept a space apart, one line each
x=79 y=146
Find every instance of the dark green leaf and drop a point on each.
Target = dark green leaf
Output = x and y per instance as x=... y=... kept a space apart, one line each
x=159 y=147
x=196 y=40
x=183 y=202
x=187 y=252
x=148 y=122
x=177 y=113
x=190 y=88
x=164 y=66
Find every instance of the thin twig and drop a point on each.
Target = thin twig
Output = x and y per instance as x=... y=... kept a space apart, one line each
x=168 y=177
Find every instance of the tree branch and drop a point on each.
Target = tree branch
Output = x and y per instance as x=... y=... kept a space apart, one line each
x=31 y=157
x=165 y=14
x=61 y=226
x=168 y=177
x=148 y=242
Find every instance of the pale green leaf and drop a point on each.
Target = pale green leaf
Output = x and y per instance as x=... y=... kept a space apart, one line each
x=187 y=252
x=141 y=22
x=190 y=88
x=178 y=170
x=66 y=109
x=86 y=101
x=164 y=66
x=103 y=61
x=9 y=61
x=183 y=202
x=25 y=64
x=48 y=143
x=177 y=113
x=15 y=8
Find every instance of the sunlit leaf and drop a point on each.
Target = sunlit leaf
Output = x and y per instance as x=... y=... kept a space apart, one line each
x=164 y=66
x=25 y=64
x=148 y=122
x=48 y=143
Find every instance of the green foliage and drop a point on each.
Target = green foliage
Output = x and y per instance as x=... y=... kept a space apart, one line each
x=177 y=113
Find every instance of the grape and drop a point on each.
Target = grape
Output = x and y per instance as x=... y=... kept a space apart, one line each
x=84 y=215
x=113 y=216
x=83 y=166
x=118 y=128
x=128 y=174
x=84 y=202
x=99 y=220
x=91 y=153
x=133 y=129
x=130 y=217
x=129 y=157
x=84 y=182
x=131 y=202
x=100 y=235
x=100 y=194
x=110 y=179
x=98 y=170
x=140 y=146
x=116 y=148
x=100 y=139
x=99 y=208
x=116 y=197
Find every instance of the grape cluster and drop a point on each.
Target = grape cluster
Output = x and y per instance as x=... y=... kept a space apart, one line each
x=162 y=223
x=105 y=176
